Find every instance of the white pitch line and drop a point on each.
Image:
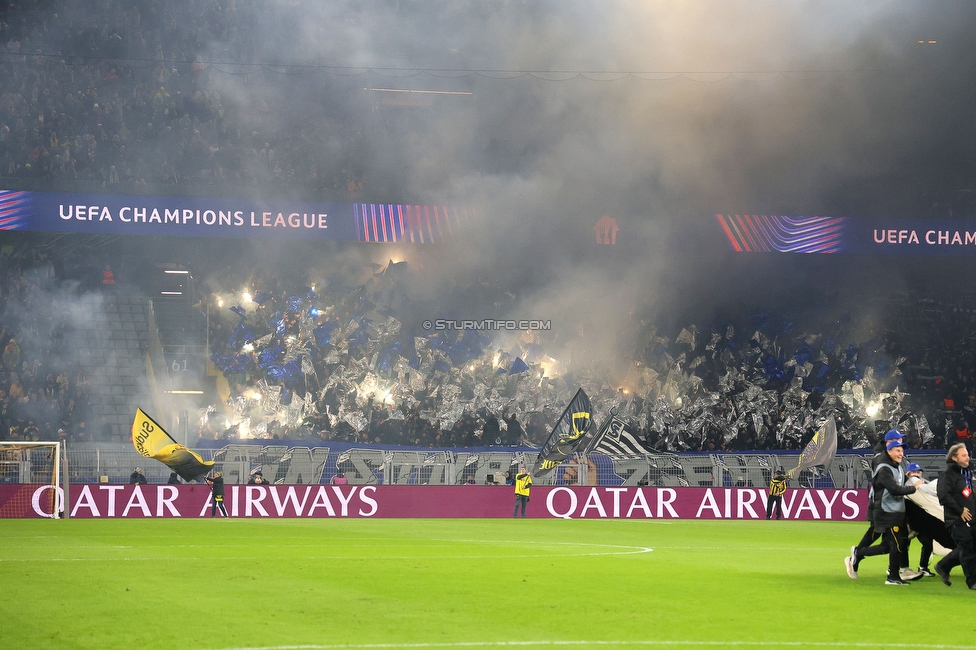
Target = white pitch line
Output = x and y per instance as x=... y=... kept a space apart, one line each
x=618 y=550
x=370 y=558
x=447 y=542
x=655 y=642
x=755 y=548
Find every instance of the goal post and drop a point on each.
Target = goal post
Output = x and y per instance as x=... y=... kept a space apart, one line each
x=31 y=482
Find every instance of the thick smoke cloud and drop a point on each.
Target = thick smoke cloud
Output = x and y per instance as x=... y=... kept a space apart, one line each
x=659 y=114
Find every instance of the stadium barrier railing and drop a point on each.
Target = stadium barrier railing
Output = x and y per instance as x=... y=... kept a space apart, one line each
x=303 y=463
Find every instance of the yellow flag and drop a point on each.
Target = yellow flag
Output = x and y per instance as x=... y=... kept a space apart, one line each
x=152 y=441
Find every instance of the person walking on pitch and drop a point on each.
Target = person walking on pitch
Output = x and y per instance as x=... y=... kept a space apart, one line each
x=889 y=514
x=216 y=483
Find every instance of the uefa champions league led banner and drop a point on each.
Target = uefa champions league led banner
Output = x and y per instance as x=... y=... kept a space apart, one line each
x=112 y=214
x=767 y=234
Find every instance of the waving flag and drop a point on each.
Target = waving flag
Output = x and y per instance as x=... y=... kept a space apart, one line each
x=566 y=437
x=614 y=439
x=820 y=450
x=152 y=441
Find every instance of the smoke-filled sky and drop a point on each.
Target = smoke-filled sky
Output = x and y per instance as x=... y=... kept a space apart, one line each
x=795 y=108
x=761 y=107
x=823 y=97
x=657 y=113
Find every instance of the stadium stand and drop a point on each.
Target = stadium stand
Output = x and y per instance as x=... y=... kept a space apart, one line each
x=83 y=96
x=87 y=95
x=93 y=370
x=115 y=359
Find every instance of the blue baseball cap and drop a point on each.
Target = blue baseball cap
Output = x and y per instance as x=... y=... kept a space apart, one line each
x=914 y=467
x=894 y=443
x=894 y=434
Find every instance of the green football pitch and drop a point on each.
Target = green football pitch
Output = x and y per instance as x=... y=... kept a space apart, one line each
x=409 y=583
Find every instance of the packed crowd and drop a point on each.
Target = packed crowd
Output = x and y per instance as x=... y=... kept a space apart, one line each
x=86 y=95
x=337 y=363
x=332 y=364
x=117 y=93
x=43 y=395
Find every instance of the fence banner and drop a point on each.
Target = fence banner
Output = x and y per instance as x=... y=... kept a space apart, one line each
x=261 y=501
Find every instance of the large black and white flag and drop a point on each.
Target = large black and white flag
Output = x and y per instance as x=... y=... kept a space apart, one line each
x=615 y=439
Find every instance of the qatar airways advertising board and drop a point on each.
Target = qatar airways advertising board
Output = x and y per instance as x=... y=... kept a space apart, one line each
x=376 y=501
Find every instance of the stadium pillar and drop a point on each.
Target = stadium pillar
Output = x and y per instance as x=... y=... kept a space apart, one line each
x=183 y=427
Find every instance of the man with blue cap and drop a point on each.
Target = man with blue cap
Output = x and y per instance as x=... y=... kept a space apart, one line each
x=871 y=535
x=888 y=496
x=923 y=514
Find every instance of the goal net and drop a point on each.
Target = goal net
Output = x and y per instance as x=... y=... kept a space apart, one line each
x=30 y=483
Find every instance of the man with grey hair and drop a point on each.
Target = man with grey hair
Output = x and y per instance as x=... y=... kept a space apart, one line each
x=958 y=504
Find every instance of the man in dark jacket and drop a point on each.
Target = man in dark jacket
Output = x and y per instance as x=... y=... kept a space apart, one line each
x=216 y=483
x=889 y=513
x=777 y=488
x=257 y=478
x=872 y=535
x=958 y=504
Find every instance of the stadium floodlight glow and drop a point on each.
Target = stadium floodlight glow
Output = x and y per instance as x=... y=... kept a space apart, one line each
x=171 y=293
x=420 y=92
x=184 y=392
x=177 y=272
